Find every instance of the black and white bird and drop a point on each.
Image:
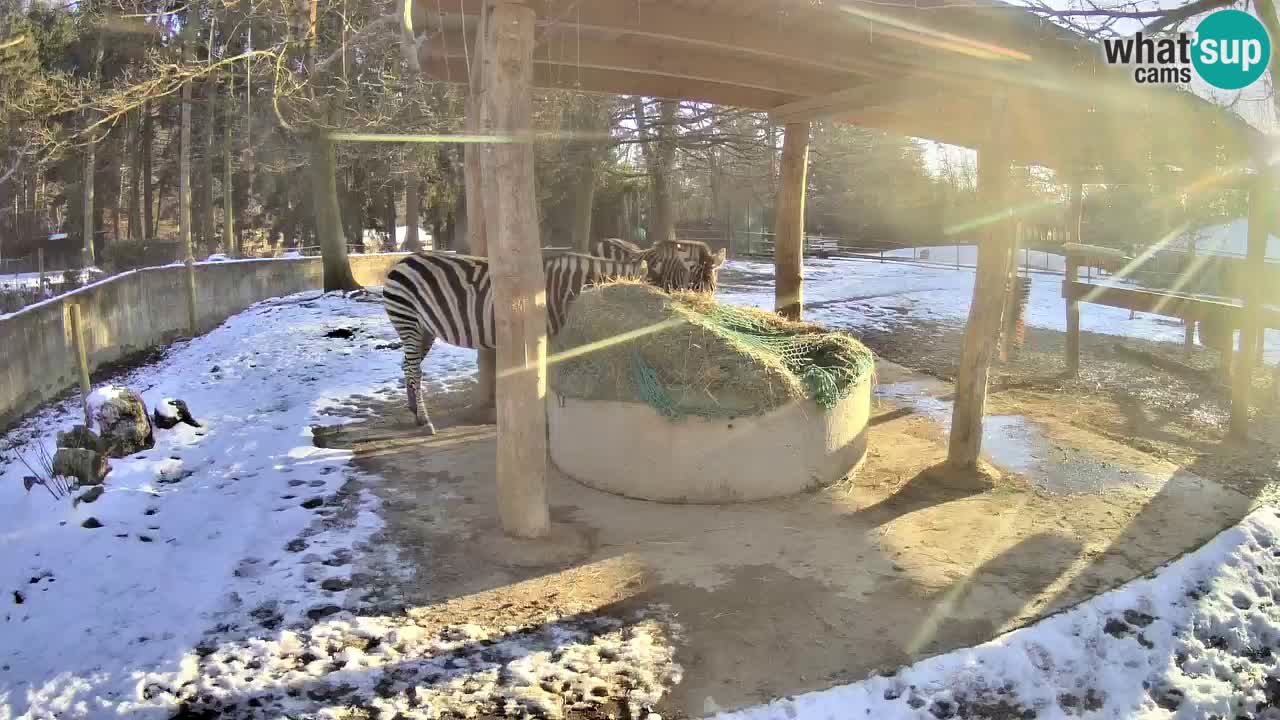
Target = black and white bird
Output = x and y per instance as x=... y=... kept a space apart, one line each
x=169 y=412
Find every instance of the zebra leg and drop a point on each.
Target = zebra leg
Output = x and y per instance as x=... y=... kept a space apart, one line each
x=416 y=346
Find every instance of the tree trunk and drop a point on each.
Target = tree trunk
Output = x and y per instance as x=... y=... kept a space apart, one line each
x=207 y=205
x=583 y=203
x=228 y=195
x=789 y=223
x=148 y=193
x=328 y=215
x=135 y=179
x=412 y=210
x=986 y=311
x=663 y=222
x=389 y=217
x=86 y=203
x=184 y=162
x=519 y=289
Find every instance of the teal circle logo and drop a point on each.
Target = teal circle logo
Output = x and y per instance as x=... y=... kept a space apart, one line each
x=1232 y=49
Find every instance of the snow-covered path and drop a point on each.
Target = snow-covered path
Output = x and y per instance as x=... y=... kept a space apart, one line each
x=194 y=531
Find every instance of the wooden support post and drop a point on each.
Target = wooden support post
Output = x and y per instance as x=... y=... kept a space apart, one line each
x=82 y=359
x=477 y=240
x=520 y=311
x=788 y=248
x=995 y=246
x=40 y=268
x=1075 y=213
x=1252 y=293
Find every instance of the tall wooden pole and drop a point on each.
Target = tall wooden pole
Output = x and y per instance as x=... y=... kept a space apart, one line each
x=1075 y=215
x=995 y=256
x=1251 y=293
x=788 y=248
x=82 y=359
x=520 y=319
x=473 y=175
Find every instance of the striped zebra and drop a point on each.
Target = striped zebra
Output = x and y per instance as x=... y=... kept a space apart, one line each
x=673 y=264
x=435 y=295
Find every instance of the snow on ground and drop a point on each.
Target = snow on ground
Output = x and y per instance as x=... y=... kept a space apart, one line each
x=1231 y=239
x=1193 y=642
x=214 y=578
x=32 y=279
x=967 y=255
x=193 y=532
x=215 y=575
x=873 y=295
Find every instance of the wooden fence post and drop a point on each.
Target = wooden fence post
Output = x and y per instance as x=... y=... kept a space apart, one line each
x=40 y=268
x=520 y=320
x=82 y=359
x=1251 y=296
x=982 y=331
x=788 y=249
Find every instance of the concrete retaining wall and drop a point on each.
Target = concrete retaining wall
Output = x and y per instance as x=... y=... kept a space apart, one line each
x=139 y=310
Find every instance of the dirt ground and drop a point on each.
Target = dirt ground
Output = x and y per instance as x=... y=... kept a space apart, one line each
x=775 y=598
x=1177 y=416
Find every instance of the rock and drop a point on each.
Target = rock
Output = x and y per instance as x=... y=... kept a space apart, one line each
x=122 y=420
x=81 y=437
x=170 y=412
x=91 y=523
x=89 y=495
x=86 y=466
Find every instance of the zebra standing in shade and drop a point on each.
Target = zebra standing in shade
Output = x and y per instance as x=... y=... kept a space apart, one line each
x=673 y=264
x=435 y=295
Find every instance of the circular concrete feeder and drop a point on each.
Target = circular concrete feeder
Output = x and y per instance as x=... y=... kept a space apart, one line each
x=629 y=449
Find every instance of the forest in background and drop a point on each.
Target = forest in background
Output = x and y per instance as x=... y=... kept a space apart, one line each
x=154 y=127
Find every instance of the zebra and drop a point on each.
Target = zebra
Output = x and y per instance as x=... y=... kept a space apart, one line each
x=673 y=264
x=431 y=295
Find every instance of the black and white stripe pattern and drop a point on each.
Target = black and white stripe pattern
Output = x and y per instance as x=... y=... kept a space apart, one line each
x=435 y=295
x=673 y=264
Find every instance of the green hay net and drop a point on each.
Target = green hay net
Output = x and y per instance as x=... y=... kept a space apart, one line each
x=687 y=355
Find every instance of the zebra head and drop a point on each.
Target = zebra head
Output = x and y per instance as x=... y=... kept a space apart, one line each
x=705 y=275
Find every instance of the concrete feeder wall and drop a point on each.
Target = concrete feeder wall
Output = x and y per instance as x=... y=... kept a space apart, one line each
x=629 y=449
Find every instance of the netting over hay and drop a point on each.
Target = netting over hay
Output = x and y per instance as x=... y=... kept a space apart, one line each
x=685 y=354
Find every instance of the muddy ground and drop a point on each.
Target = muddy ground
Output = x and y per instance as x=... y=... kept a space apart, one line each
x=1179 y=416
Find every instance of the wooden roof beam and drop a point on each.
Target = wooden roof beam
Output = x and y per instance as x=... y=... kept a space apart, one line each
x=629 y=56
x=776 y=41
x=615 y=82
x=842 y=103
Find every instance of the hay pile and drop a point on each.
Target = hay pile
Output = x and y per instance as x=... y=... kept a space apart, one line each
x=685 y=354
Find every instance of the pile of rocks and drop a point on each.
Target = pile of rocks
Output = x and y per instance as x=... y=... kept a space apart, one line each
x=124 y=427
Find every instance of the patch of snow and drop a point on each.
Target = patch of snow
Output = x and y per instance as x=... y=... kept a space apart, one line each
x=103 y=395
x=416 y=668
x=865 y=294
x=194 y=533
x=1193 y=641
x=167 y=410
x=1228 y=239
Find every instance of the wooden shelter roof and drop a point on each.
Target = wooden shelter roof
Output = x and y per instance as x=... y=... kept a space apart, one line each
x=925 y=68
